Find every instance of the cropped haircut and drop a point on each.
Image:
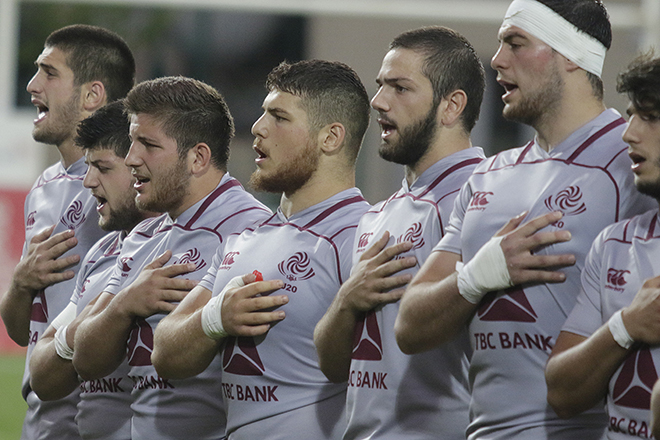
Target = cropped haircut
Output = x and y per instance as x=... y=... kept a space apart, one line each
x=591 y=17
x=106 y=129
x=641 y=82
x=96 y=54
x=451 y=64
x=189 y=111
x=330 y=92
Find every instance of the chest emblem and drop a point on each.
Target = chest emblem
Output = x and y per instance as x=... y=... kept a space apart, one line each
x=297 y=267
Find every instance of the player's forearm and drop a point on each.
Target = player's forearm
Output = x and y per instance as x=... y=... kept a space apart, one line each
x=333 y=337
x=100 y=344
x=579 y=370
x=181 y=349
x=16 y=309
x=431 y=314
x=51 y=377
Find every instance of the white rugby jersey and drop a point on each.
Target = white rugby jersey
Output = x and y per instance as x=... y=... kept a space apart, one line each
x=588 y=178
x=57 y=198
x=104 y=408
x=410 y=397
x=271 y=383
x=188 y=408
x=622 y=257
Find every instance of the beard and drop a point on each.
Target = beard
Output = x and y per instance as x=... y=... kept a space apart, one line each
x=169 y=189
x=61 y=124
x=649 y=188
x=414 y=141
x=288 y=177
x=533 y=108
x=124 y=217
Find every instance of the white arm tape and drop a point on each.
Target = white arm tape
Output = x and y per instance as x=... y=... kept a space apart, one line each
x=212 y=311
x=619 y=332
x=61 y=347
x=485 y=272
x=65 y=317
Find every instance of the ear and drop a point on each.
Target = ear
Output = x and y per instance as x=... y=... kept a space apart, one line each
x=199 y=158
x=331 y=138
x=451 y=108
x=93 y=96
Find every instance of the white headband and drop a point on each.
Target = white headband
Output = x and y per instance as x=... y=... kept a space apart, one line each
x=551 y=28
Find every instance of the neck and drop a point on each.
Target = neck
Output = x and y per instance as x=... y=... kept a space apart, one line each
x=321 y=186
x=578 y=107
x=447 y=142
x=69 y=153
x=200 y=186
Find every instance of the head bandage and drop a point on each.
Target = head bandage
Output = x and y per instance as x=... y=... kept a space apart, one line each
x=551 y=28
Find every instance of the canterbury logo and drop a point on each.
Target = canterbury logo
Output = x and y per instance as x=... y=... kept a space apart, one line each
x=125 y=268
x=140 y=344
x=512 y=306
x=414 y=235
x=297 y=267
x=567 y=201
x=241 y=357
x=74 y=216
x=367 y=343
x=480 y=198
x=192 y=256
x=229 y=259
x=29 y=222
x=363 y=241
x=616 y=277
x=635 y=380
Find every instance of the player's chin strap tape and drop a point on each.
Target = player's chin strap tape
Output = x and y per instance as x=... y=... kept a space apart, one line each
x=212 y=311
x=619 y=332
x=485 y=272
x=61 y=347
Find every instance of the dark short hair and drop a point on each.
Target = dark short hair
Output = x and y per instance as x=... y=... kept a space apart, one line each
x=190 y=111
x=106 y=129
x=641 y=82
x=330 y=91
x=96 y=54
x=451 y=64
x=591 y=17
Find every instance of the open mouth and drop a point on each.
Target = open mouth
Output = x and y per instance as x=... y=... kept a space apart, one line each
x=100 y=202
x=140 y=181
x=508 y=87
x=42 y=112
x=261 y=155
x=637 y=160
x=387 y=127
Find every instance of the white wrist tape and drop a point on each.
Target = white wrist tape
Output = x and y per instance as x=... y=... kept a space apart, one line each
x=557 y=32
x=619 y=332
x=212 y=311
x=485 y=272
x=61 y=347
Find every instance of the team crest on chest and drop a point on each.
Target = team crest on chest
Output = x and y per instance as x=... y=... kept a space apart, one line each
x=568 y=201
x=74 y=215
x=29 y=222
x=192 y=256
x=616 y=279
x=297 y=267
x=479 y=200
x=125 y=265
x=414 y=235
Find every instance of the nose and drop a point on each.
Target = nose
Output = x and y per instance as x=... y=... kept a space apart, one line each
x=378 y=102
x=631 y=134
x=133 y=159
x=91 y=180
x=33 y=85
x=259 y=127
x=497 y=62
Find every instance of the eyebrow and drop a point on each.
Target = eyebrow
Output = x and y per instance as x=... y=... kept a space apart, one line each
x=510 y=36
x=392 y=81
